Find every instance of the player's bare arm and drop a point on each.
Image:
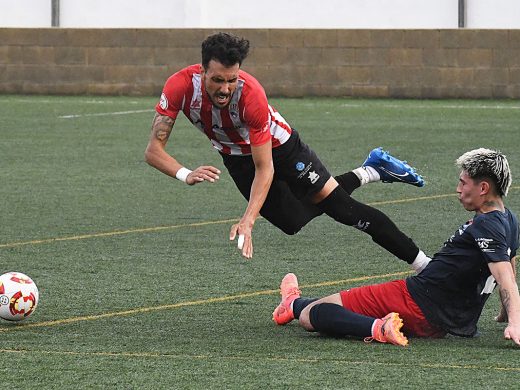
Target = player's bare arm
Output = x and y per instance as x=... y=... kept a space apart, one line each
x=502 y=315
x=157 y=157
x=505 y=278
x=264 y=172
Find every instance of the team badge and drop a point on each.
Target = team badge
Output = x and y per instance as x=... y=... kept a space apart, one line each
x=163 y=102
x=300 y=166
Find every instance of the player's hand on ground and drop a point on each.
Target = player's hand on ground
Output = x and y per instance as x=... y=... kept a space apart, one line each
x=203 y=173
x=244 y=239
x=512 y=333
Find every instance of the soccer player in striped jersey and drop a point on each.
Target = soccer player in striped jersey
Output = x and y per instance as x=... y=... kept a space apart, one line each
x=280 y=176
x=449 y=294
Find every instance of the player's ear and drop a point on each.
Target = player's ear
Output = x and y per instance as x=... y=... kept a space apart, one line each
x=485 y=187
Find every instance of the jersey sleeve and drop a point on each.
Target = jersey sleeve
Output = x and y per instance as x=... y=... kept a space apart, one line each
x=490 y=236
x=256 y=115
x=172 y=96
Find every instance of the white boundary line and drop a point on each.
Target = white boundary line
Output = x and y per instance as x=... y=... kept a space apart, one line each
x=433 y=106
x=345 y=105
x=104 y=114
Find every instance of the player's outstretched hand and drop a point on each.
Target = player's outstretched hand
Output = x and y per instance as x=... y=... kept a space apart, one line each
x=512 y=333
x=203 y=173
x=245 y=240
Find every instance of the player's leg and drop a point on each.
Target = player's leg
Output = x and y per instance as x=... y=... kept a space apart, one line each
x=327 y=315
x=308 y=178
x=336 y=203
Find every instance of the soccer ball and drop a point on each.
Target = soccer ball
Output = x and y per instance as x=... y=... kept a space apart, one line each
x=18 y=296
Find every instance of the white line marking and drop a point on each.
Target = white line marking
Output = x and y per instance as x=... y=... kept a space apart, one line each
x=104 y=114
x=433 y=106
x=63 y=101
x=346 y=105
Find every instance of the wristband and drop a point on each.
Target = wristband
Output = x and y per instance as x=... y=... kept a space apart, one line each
x=182 y=174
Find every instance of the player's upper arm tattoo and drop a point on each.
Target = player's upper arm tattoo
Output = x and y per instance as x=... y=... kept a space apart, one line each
x=162 y=127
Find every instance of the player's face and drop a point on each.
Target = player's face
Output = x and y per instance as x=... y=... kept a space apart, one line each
x=469 y=192
x=220 y=82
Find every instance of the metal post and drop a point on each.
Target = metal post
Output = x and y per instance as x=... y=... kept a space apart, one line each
x=55 y=19
x=462 y=13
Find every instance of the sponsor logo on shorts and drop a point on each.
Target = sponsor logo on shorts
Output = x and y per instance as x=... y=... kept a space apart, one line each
x=313 y=177
x=303 y=169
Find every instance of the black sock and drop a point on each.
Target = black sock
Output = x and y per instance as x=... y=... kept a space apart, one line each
x=335 y=320
x=301 y=303
x=348 y=181
x=348 y=211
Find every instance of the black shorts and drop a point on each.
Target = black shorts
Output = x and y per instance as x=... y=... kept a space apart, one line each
x=298 y=174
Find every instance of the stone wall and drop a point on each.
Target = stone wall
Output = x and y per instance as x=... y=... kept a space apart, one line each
x=363 y=63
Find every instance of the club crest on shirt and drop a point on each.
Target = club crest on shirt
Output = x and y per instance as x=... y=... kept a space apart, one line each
x=163 y=102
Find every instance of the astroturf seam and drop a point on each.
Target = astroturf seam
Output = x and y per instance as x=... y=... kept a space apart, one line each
x=171 y=227
x=195 y=224
x=255 y=358
x=225 y=298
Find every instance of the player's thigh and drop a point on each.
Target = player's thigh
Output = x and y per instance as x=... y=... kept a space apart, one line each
x=281 y=207
x=300 y=167
x=285 y=211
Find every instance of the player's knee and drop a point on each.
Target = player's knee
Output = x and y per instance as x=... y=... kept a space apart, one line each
x=305 y=321
x=289 y=227
x=291 y=230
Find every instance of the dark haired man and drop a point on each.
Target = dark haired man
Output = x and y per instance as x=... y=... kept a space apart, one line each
x=449 y=294
x=280 y=176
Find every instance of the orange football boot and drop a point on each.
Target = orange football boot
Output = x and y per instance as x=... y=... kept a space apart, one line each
x=283 y=314
x=387 y=330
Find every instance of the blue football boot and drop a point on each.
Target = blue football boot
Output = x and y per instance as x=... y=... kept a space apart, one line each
x=391 y=169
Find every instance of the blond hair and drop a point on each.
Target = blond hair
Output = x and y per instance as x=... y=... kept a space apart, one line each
x=486 y=163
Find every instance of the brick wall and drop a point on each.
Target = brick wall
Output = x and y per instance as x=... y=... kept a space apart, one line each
x=373 y=63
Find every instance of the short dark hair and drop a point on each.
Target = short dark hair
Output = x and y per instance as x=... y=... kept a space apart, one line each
x=225 y=48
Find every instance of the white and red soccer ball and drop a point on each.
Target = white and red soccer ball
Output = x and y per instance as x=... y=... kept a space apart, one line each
x=18 y=296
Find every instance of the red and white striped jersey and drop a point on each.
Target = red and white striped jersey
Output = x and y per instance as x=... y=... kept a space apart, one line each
x=247 y=120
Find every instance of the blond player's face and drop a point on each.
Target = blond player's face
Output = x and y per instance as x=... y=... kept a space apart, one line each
x=220 y=82
x=469 y=192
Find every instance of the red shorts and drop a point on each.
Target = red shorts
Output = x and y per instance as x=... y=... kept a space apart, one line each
x=378 y=300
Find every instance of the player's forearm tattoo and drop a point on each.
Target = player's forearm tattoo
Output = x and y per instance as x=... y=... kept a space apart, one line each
x=506 y=298
x=162 y=127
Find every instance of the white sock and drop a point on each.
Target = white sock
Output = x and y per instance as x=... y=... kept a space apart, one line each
x=372 y=328
x=420 y=262
x=366 y=174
